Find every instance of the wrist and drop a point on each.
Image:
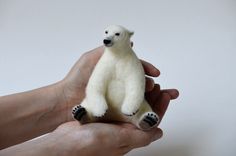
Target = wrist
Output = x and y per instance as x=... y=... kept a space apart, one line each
x=68 y=95
x=37 y=147
x=54 y=109
x=68 y=139
x=60 y=106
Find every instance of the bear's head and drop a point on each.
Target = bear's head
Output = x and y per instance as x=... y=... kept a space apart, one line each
x=116 y=36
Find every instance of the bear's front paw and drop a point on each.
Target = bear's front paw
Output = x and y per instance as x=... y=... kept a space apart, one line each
x=99 y=110
x=128 y=110
x=97 y=105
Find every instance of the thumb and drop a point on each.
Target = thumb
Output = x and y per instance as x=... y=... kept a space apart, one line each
x=139 y=138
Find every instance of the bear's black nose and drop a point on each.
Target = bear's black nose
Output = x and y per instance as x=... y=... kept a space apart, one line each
x=106 y=41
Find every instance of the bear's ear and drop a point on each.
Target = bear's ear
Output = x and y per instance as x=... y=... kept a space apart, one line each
x=131 y=33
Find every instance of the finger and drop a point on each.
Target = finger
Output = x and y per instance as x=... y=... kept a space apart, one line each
x=174 y=93
x=162 y=104
x=139 y=138
x=152 y=95
x=149 y=69
x=149 y=84
x=97 y=52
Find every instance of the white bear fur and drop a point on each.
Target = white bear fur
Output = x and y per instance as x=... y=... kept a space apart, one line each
x=115 y=90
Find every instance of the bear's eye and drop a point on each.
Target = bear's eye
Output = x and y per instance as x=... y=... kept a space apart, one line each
x=117 y=34
x=106 y=32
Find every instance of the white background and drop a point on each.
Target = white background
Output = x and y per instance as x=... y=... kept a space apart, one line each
x=192 y=42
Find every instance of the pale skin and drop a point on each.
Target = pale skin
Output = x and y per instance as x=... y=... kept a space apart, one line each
x=24 y=116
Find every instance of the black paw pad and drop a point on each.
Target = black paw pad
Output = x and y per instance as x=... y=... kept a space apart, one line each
x=78 y=112
x=151 y=119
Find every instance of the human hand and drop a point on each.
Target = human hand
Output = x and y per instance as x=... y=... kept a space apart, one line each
x=114 y=138
x=158 y=98
x=101 y=139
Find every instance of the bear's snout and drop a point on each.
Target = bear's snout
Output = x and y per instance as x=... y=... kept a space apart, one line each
x=107 y=42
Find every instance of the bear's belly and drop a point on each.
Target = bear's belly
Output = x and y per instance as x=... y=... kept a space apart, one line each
x=115 y=94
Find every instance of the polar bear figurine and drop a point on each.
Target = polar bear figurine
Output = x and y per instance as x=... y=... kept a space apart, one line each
x=115 y=90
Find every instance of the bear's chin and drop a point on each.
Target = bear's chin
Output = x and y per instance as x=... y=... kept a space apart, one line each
x=108 y=45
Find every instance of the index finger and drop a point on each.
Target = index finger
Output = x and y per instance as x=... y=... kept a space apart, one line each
x=150 y=69
x=174 y=93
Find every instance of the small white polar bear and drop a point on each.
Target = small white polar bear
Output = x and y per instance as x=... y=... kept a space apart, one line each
x=115 y=90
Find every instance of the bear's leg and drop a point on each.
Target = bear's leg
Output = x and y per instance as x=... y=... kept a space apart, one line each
x=82 y=114
x=96 y=104
x=145 y=119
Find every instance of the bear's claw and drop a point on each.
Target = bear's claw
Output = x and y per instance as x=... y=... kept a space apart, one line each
x=132 y=113
x=78 y=112
x=101 y=115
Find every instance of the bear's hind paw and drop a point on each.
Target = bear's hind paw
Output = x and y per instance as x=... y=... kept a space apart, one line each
x=148 y=121
x=78 y=112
